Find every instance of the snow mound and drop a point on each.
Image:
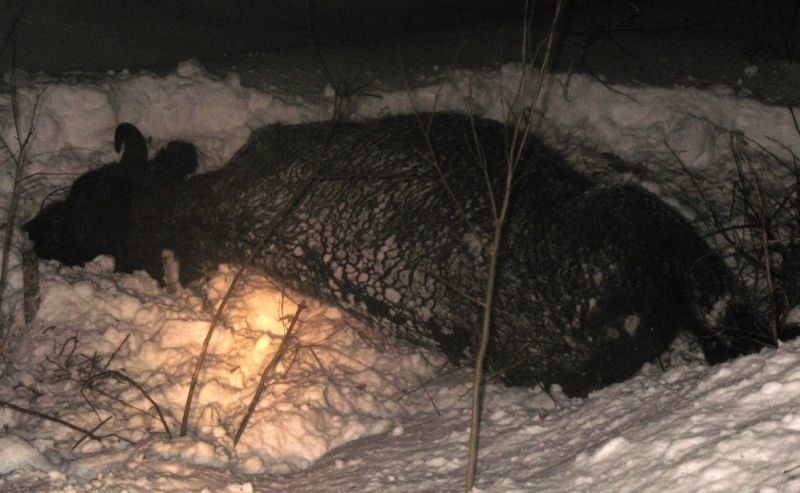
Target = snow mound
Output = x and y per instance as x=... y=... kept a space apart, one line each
x=335 y=385
x=16 y=452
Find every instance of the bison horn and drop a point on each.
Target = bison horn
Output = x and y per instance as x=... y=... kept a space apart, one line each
x=130 y=141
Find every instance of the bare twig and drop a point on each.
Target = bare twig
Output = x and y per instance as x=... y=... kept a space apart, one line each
x=485 y=333
x=204 y=349
x=87 y=433
x=311 y=347
x=597 y=36
x=93 y=430
x=268 y=369
x=71 y=339
x=119 y=376
x=794 y=119
x=346 y=87
x=30 y=281
x=114 y=354
x=761 y=213
x=18 y=157
x=761 y=225
x=432 y=157
x=515 y=148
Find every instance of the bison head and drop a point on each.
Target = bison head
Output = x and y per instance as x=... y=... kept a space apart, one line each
x=93 y=219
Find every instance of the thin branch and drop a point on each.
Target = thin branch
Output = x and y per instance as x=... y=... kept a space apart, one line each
x=117 y=375
x=740 y=156
x=114 y=354
x=268 y=369
x=794 y=119
x=514 y=153
x=87 y=433
x=433 y=158
x=96 y=427
x=20 y=160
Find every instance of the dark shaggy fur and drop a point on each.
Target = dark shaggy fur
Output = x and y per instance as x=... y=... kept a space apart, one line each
x=592 y=283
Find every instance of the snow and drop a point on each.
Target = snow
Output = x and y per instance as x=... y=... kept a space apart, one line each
x=347 y=408
x=16 y=453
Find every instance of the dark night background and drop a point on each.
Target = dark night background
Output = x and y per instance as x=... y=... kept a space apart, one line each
x=648 y=40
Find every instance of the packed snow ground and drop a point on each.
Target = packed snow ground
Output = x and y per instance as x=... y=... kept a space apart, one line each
x=348 y=409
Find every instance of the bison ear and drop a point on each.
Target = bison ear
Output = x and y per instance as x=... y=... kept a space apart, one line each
x=175 y=161
x=130 y=141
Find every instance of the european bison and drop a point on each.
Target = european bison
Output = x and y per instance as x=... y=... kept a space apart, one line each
x=393 y=223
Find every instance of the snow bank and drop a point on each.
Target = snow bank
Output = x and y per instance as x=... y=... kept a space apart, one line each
x=333 y=387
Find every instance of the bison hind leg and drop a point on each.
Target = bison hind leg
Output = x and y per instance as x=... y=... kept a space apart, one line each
x=629 y=326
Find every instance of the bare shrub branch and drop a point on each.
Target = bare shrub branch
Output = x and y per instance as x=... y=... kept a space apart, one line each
x=515 y=147
x=759 y=230
x=18 y=154
x=87 y=433
x=119 y=376
x=759 y=209
x=268 y=369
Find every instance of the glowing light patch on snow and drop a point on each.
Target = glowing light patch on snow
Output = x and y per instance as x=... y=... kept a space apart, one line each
x=16 y=453
x=268 y=311
x=308 y=407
